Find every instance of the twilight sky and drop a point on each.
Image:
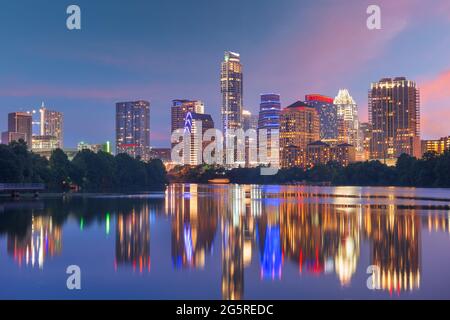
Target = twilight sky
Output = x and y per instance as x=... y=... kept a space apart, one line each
x=159 y=50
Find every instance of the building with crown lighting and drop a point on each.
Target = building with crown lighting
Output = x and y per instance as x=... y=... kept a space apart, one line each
x=196 y=124
x=327 y=111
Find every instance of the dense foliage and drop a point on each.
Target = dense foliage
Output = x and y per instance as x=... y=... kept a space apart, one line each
x=88 y=171
x=431 y=171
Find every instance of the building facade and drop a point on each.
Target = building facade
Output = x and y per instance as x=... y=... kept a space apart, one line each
x=231 y=87
x=437 y=146
x=96 y=147
x=20 y=126
x=299 y=126
x=394 y=113
x=327 y=111
x=51 y=124
x=133 y=128
x=179 y=110
x=196 y=125
x=269 y=120
x=348 y=121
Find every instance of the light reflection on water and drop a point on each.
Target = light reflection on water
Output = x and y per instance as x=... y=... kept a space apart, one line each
x=230 y=242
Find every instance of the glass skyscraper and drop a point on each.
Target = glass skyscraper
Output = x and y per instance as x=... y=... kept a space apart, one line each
x=231 y=87
x=269 y=120
x=133 y=128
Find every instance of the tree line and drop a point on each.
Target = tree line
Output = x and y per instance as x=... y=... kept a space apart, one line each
x=432 y=170
x=88 y=171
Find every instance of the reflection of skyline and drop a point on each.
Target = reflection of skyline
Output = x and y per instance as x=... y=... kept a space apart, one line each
x=261 y=230
x=133 y=239
x=193 y=227
x=42 y=239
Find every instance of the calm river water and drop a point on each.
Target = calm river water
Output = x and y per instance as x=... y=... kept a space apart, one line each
x=230 y=242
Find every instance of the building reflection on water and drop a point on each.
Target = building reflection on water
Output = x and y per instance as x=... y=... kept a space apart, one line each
x=133 y=239
x=42 y=239
x=318 y=237
x=264 y=228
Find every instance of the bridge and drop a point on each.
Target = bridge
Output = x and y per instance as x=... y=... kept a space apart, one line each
x=16 y=188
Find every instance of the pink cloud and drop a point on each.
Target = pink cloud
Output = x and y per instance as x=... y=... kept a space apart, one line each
x=435 y=105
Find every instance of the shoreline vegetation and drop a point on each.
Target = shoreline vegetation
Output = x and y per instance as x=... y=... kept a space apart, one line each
x=432 y=171
x=104 y=173
x=87 y=172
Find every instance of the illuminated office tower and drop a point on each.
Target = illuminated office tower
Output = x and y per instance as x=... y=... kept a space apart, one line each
x=51 y=125
x=133 y=128
x=365 y=133
x=180 y=109
x=269 y=120
x=20 y=126
x=327 y=111
x=299 y=126
x=394 y=113
x=196 y=124
x=347 y=111
x=231 y=88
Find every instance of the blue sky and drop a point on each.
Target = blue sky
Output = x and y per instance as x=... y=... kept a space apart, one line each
x=161 y=50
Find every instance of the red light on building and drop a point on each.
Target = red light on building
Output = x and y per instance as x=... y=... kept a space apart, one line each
x=318 y=97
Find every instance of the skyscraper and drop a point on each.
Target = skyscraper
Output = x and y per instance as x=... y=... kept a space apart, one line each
x=133 y=128
x=394 y=113
x=231 y=87
x=51 y=125
x=269 y=120
x=327 y=111
x=179 y=110
x=20 y=126
x=347 y=112
x=196 y=124
x=299 y=126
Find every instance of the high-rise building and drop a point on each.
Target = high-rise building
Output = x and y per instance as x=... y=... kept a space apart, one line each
x=394 y=113
x=133 y=128
x=348 y=121
x=231 y=87
x=196 y=125
x=20 y=126
x=179 y=110
x=327 y=111
x=269 y=120
x=51 y=125
x=299 y=126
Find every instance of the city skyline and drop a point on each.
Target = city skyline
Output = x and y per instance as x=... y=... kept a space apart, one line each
x=31 y=76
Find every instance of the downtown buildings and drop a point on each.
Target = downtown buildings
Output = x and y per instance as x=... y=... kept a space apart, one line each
x=51 y=125
x=133 y=128
x=394 y=114
x=179 y=110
